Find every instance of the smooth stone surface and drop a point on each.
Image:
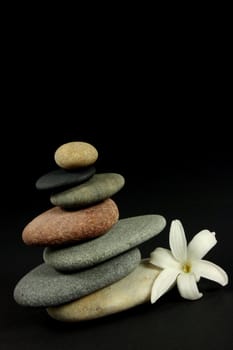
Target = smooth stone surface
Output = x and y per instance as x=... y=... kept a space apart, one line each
x=124 y=235
x=74 y=155
x=98 y=188
x=61 y=178
x=44 y=286
x=57 y=226
x=130 y=291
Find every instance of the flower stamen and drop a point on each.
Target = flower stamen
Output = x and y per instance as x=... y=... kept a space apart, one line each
x=186 y=268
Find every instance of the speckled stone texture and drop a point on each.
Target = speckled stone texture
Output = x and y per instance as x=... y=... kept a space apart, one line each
x=73 y=155
x=124 y=235
x=44 y=286
x=57 y=226
x=130 y=291
x=98 y=188
x=61 y=179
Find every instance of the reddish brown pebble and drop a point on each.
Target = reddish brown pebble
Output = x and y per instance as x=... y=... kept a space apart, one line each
x=58 y=226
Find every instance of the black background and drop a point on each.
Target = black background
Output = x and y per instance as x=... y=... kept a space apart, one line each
x=153 y=96
x=181 y=169
x=155 y=101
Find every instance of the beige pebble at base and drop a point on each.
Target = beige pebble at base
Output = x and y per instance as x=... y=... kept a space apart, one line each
x=74 y=155
x=130 y=291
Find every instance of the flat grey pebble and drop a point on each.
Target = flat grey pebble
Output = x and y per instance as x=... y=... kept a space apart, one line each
x=98 y=188
x=124 y=235
x=44 y=286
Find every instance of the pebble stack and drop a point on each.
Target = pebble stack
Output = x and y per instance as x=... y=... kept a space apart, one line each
x=92 y=265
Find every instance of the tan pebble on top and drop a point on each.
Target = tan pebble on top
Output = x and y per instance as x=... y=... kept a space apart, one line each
x=73 y=155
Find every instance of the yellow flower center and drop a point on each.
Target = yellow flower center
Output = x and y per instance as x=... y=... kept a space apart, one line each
x=186 y=267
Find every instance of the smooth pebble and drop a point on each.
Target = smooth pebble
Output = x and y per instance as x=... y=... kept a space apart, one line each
x=74 y=155
x=57 y=226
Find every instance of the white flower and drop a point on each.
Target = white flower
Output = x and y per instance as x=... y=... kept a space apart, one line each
x=184 y=264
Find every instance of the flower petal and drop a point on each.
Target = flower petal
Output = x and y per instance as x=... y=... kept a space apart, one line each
x=162 y=283
x=163 y=258
x=187 y=286
x=211 y=271
x=201 y=243
x=177 y=241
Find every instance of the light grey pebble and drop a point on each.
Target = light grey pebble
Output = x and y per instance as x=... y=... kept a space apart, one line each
x=44 y=286
x=98 y=188
x=124 y=235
